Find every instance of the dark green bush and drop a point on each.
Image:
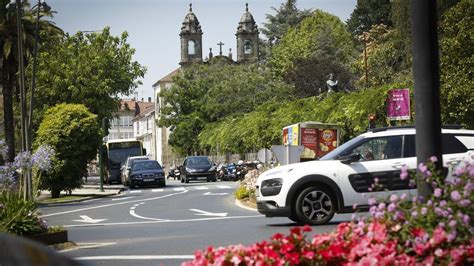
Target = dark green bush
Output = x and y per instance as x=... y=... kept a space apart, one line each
x=75 y=135
x=19 y=216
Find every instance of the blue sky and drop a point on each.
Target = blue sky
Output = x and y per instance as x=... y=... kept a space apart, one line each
x=154 y=25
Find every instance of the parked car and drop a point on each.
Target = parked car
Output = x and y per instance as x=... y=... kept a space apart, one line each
x=198 y=167
x=312 y=192
x=146 y=172
x=126 y=168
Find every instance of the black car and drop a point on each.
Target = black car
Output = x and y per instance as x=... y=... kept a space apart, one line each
x=146 y=172
x=198 y=167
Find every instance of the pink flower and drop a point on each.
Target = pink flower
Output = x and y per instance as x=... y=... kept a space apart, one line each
x=439 y=235
x=438 y=192
x=455 y=195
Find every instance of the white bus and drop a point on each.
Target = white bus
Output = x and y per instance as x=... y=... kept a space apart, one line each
x=117 y=152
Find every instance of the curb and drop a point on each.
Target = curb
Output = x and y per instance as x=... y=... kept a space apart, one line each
x=241 y=205
x=85 y=197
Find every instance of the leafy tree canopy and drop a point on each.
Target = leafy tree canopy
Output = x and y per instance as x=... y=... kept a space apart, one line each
x=207 y=93
x=368 y=13
x=457 y=64
x=263 y=127
x=73 y=132
x=287 y=16
x=90 y=69
x=319 y=34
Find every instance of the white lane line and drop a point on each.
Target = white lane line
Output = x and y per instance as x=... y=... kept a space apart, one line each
x=134 y=214
x=166 y=221
x=138 y=257
x=223 y=186
x=133 y=208
x=90 y=200
x=157 y=190
x=114 y=204
x=122 y=198
x=87 y=245
x=135 y=191
x=179 y=189
x=201 y=188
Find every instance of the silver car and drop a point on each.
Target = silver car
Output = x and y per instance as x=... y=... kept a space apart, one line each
x=126 y=168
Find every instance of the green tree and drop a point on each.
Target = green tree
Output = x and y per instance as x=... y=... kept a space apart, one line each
x=388 y=60
x=9 y=58
x=73 y=132
x=321 y=38
x=287 y=16
x=263 y=127
x=90 y=69
x=368 y=13
x=210 y=92
x=457 y=64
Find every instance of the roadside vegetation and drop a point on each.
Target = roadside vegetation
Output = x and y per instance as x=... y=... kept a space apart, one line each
x=242 y=108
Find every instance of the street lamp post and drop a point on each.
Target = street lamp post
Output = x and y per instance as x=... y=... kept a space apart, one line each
x=26 y=118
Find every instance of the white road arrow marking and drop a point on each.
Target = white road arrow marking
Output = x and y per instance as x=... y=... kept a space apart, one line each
x=205 y=213
x=215 y=194
x=87 y=219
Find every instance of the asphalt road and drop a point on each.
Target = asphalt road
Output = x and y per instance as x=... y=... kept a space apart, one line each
x=163 y=226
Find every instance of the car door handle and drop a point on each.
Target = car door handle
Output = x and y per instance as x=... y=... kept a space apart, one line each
x=453 y=161
x=398 y=165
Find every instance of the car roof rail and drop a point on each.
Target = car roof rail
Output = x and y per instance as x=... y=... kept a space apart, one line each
x=380 y=129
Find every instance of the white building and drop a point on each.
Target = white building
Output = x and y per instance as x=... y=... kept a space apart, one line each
x=121 y=127
x=144 y=124
x=163 y=153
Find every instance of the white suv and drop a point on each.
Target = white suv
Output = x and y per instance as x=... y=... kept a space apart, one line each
x=311 y=192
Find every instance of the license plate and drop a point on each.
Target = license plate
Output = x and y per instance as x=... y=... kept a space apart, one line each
x=148 y=179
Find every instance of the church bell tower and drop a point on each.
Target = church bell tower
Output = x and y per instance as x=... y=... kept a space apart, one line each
x=247 y=38
x=191 y=40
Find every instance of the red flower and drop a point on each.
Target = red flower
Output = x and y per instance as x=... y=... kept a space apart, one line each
x=418 y=232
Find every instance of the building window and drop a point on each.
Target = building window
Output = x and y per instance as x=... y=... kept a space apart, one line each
x=191 y=47
x=247 y=47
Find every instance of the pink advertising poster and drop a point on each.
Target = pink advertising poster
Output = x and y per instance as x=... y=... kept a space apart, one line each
x=398 y=104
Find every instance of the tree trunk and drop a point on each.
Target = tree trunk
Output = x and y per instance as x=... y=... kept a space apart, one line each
x=8 y=81
x=55 y=193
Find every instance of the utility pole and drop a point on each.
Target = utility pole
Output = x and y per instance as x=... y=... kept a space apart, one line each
x=427 y=91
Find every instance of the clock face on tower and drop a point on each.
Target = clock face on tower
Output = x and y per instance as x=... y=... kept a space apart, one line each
x=247 y=47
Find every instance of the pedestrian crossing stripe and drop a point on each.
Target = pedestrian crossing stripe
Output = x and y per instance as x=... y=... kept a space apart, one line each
x=179 y=189
x=223 y=186
x=135 y=191
x=157 y=190
x=201 y=188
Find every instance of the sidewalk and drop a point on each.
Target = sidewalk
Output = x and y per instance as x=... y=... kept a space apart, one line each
x=91 y=188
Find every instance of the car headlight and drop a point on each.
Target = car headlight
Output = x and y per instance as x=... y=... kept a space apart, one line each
x=158 y=175
x=271 y=187
x=189 y=170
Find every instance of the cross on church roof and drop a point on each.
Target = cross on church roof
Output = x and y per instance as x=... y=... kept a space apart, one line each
x=220 y=47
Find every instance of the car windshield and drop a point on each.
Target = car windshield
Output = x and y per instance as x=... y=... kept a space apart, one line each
x=198 y=161
x=336 y=153
x=145 y=165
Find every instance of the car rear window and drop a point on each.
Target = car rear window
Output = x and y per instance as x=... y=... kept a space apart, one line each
x=450 y=144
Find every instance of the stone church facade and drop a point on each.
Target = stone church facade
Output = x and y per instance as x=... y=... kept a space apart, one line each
x=191 y=53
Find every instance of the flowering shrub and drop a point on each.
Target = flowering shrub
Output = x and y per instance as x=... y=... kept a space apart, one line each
x=247 y=186
x=400 y=231
x=18 y=215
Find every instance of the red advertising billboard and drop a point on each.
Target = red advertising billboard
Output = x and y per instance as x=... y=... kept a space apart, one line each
x=327 y=141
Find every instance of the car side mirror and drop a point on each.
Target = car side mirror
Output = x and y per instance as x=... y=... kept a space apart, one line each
x=350 y=158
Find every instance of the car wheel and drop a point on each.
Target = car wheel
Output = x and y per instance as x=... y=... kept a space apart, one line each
x=315 y=206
